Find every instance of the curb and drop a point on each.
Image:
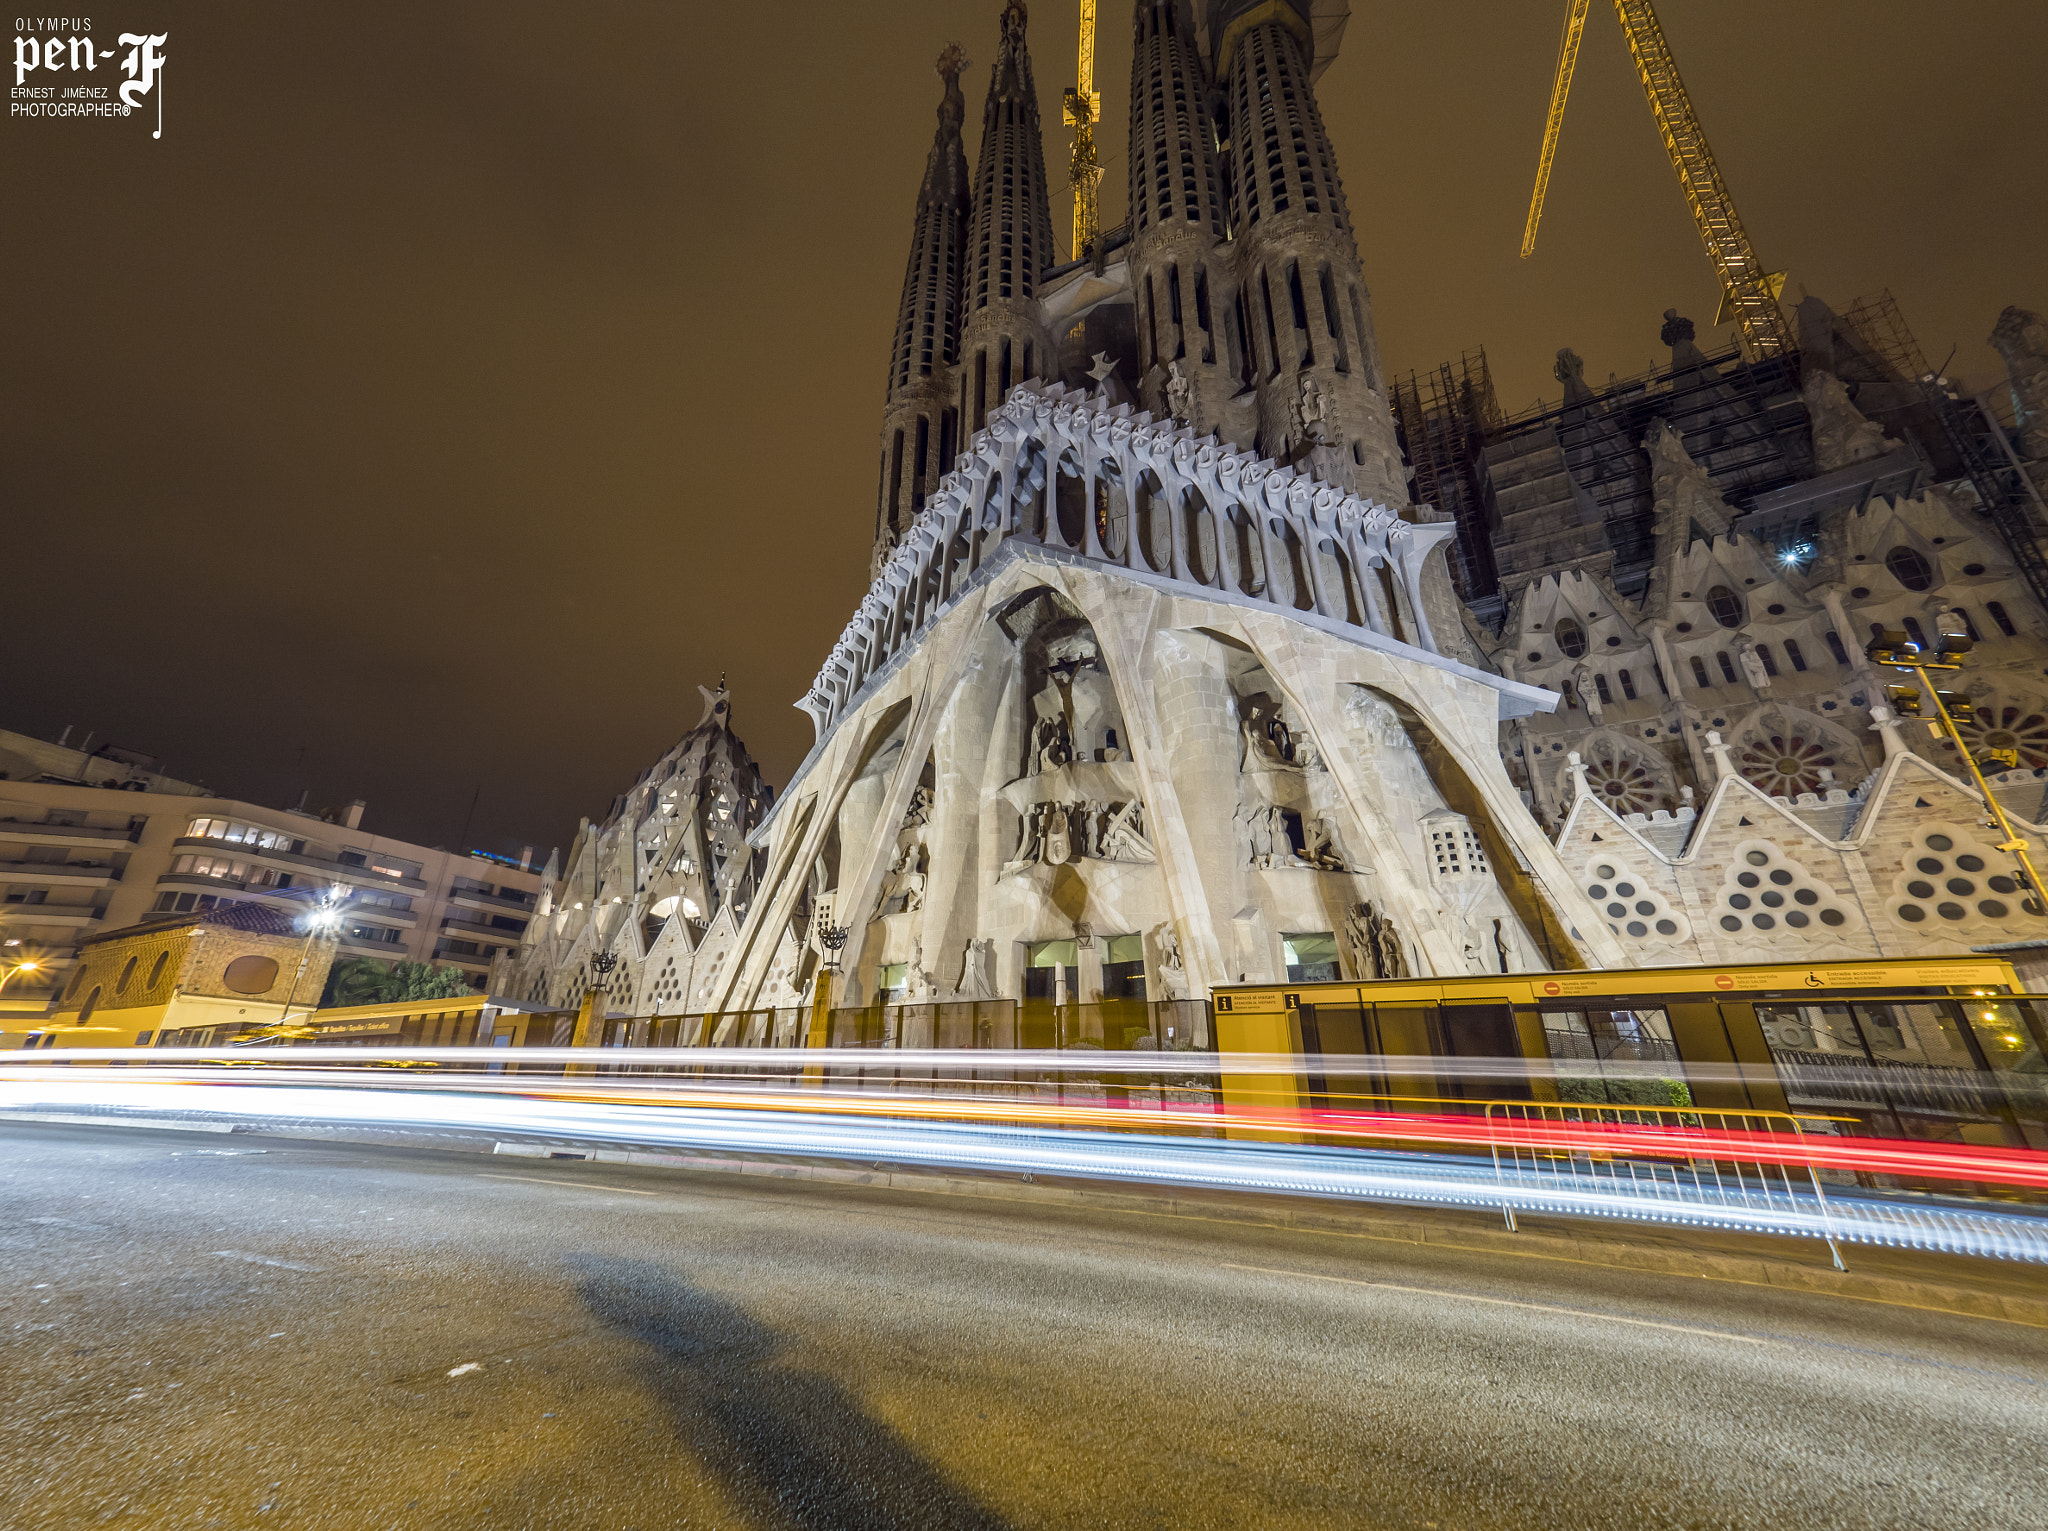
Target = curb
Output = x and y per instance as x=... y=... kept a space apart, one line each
x=1890 y=1291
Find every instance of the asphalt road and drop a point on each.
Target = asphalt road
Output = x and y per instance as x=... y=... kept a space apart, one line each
x=254 y=1332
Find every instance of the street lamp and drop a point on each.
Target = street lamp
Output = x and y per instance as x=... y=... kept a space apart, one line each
x=1894 y=650
x=320 y=921
x=27 y=965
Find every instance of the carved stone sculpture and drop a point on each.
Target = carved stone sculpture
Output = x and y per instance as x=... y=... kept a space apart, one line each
x=1841 y=435
x=1173 y=978
x=1179 y=392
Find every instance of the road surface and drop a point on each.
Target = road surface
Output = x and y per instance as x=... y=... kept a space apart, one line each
x=244 y=1331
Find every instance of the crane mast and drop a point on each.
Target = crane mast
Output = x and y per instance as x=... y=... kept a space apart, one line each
x=1083 y=109
x=1749 y=293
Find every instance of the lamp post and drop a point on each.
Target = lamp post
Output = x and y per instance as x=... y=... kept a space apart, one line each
x=1894 y=650
x=319 y=921
x=28 y=965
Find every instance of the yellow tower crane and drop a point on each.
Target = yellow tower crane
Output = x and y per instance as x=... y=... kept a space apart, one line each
x=1749 y=294
x=1083 y=109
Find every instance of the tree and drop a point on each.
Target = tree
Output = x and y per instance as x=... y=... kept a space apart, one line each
x=366 y=981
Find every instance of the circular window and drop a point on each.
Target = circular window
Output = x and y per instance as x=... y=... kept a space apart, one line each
x=1738 y=901
x=1929 y=865
x=1638 y=928
x=1835 y=916
x=1667 y=927
x=127 y=973
x=1763 y=921
x=1748 y=879
x=1950 y=911
x=1614 y=643
x=1685 y=627
x=1912 y=914
x=1805 y=896
x=2002 y=885
x=1646 y=907
x=1797 y=919
x=1909 y=568
x=1624 y=890
x=1617 y=910
x=1939 y=843
x=1973 y=569
x=1596 y=892
x=1757 y=859
x=1570 y=638
x=1782 y=878
x=1970 y=863
x=1603 y=871
x=1991 y=908
x=1772 y=899
x=250 y=975
x=1534 y=657
x=1726 y=606
x=1962 y=887
x=1920 y=889
x=1731 y=922
x=2031 y=905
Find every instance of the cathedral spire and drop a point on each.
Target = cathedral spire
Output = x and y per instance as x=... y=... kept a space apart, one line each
x=1011 y=242
x=919 y=430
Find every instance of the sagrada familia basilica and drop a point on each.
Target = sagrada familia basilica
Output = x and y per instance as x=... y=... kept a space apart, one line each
x=1199 y=650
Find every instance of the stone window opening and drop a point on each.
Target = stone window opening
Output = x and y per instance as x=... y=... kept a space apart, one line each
x=1998 y=615
x=1725 y=605
x=1657 y=674
x=1727 y=666
x=1180 y=348
x=1699 y=672
x=1299 y=313
x=1600 y=685
x=1909 y=568
x=1272 y=331
x=1763 y=652
x=1570 y=638
x=1914 y=631
x=1328 y=292
x=1792 y=653
x=1836 y=647
x=127 y=974
x=1628 y=685
x=1969 y=627
x=1202 y=316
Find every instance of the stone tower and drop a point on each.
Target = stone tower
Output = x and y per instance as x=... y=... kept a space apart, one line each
x=1302 y=297
x=920 y=423
x=1179 y=283
x=1005 y=340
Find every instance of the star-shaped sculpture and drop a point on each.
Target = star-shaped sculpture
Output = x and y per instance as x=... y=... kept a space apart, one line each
x=1103 y=367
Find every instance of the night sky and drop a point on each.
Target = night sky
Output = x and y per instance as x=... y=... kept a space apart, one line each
x=454 y=388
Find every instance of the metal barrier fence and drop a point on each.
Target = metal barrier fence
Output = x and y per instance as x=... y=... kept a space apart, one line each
x=1752 y=1160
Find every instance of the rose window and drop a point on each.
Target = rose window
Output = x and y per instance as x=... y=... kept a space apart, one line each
x=2004 y=726
x=1622 y=785
x=1785 y=766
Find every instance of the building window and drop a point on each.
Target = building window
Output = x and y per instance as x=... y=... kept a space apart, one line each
x=1571 y=638
x=1600 y=685
x=1763 y=652
x=1969 y=627
x=1727 y=666
x=1628 y=685
x=156 y=969
x=1909 y=568
x=1311 y=956
x=1836 y=648
x=1699 y=672
x=1916 y=632
x=127 y=975
x=1998 y=615
x=1792 y=653
x=1726 y=606
x=92 y=1001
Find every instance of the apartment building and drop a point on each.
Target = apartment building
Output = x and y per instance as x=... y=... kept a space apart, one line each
x=85 y=850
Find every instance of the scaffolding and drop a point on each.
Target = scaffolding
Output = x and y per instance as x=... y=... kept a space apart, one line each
x=1444 y=418
x=1743 y=422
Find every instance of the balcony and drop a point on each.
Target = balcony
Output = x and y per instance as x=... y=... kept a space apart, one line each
x=68 y=874
x=75 y=915
x=473 y=961
x=62 y=834
x=390 y=951
x=330 y=871
x=469 y=930
x=490 y=900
